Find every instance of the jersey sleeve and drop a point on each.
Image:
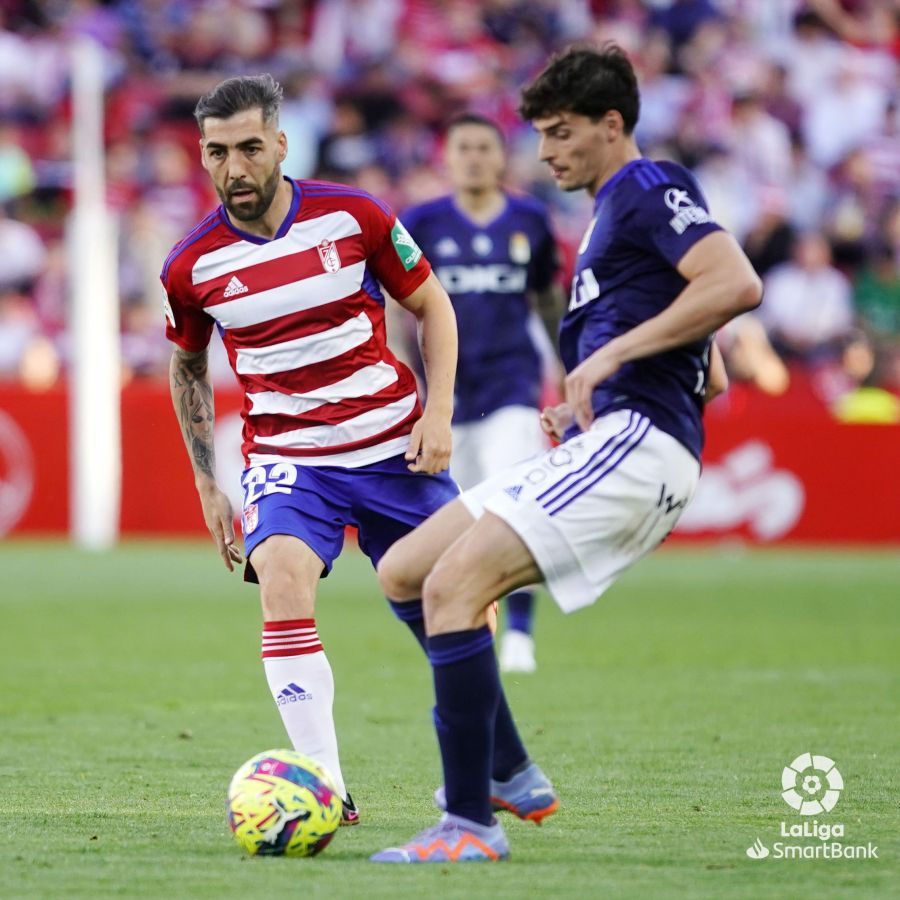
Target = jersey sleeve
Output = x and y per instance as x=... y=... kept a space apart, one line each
x=671 y=218
x=393 y=255
x=545 y=261
x=187 y=325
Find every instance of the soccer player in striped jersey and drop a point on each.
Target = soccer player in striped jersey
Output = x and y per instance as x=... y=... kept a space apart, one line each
x=290 y=272
x=495 y=254
x=656 y=276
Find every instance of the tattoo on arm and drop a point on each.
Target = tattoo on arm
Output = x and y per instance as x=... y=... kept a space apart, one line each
x=192 y=396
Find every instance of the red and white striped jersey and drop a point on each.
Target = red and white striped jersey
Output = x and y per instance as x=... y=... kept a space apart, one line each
x=302 y=319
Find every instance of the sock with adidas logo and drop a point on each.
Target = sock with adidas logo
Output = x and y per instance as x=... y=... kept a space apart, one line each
x=302 y=684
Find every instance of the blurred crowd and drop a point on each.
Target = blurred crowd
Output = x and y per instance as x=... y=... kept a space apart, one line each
x=787 y=111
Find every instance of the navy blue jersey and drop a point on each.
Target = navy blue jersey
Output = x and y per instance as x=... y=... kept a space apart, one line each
x=487 y=271
x=646 y=217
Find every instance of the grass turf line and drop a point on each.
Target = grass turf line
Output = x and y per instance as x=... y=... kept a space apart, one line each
x=131 y=690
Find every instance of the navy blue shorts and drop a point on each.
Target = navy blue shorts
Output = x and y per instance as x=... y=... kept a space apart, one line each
x=384 y=501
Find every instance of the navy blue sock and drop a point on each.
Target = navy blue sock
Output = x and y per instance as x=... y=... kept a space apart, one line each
x=411 y=613
x=467 y=691
x=509 y=751
x=520 y=611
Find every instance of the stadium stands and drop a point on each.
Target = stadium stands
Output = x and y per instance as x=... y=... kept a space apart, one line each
x=787 y=112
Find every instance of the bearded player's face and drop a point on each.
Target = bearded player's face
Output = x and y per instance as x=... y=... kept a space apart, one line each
x=243 y=155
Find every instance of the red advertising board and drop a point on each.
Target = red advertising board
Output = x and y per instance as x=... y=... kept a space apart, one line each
x=785 y=470
x=774 y=470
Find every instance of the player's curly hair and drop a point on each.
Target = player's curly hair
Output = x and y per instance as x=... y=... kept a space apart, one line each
x=587 y=81
x=235 y=95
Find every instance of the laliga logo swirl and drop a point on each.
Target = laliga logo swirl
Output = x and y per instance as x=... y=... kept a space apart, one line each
x=16 y=473
x=812 y=784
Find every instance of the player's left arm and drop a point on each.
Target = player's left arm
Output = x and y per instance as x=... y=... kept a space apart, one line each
x=398 y=263
x=430 y=441
x=721 y=284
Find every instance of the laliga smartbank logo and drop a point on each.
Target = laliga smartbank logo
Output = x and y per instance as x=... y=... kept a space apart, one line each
x=811 y=785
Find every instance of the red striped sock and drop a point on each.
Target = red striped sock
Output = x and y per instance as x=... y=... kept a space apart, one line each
x=290 y=637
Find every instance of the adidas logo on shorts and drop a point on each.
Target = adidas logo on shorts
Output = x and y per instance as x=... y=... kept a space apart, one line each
x=514 y=491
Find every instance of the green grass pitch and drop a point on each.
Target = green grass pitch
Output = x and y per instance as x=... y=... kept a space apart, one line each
x=132 y=689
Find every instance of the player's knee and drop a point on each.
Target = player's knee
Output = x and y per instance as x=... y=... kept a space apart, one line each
x=446 y=603
x=435 y=592
x=284 y=597
x=394 y=576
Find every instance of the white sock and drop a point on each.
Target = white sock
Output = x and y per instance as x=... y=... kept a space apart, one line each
x=302 y=686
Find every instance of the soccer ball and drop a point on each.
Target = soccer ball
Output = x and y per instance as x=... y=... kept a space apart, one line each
x=281 y=803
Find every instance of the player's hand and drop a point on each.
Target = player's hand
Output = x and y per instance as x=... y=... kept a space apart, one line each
x=220 y=521
x=430 y=444
x=556 y=419
x=582 y=380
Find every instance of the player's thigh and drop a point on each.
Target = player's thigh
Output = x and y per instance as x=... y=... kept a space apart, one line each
x=293 y=520
x=288 y=571
x=507 y=437
x=593 y=506
x=388 y=502
x=403 y=568
x=487 y=561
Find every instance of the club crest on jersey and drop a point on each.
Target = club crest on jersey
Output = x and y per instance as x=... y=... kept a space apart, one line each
x=686 y=210
x=328 y=253
x=519 y=248
x=251 y=518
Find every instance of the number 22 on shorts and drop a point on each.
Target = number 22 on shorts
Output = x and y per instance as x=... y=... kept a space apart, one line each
x=262 y=480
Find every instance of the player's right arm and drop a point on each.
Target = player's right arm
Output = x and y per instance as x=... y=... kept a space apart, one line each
x=192 y=397
x=190 y=328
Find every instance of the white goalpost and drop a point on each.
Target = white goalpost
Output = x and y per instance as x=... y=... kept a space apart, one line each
x=95 y=442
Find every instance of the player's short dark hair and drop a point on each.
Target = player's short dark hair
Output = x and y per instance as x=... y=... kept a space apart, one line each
x=586 y=81
x=236 y=95
x=471 y=118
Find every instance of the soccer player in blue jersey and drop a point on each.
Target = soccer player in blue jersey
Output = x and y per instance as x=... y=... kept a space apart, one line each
x=495 y=254
x=656 y=276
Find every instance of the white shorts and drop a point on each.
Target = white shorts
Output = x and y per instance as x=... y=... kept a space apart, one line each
x=590 y=508
x=494 y=443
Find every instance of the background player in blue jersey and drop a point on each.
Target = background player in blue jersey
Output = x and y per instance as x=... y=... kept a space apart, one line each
x=495 y=254
x=655 y=278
